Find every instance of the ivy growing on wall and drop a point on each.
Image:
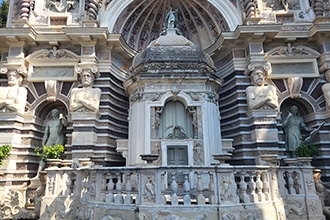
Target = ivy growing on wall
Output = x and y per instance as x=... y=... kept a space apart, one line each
x=4 y=152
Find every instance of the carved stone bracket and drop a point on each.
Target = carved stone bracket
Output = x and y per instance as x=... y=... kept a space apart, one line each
x=52 y=90
x=295 y=84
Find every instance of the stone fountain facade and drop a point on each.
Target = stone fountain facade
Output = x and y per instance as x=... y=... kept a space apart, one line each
x=171 y=95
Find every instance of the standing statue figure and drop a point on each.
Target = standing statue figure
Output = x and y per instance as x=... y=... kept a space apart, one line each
x=54 y=131
x=292 y=126
x=86 y=99
x=13 y=97
x=260 y=95
x=54 y=134
x=171 y=19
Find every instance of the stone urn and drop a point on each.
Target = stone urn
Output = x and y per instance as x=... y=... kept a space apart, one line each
x=222 y=158
x=149 y=158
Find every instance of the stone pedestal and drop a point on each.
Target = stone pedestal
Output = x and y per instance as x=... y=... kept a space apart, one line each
x=264 y=133
x=84 y=134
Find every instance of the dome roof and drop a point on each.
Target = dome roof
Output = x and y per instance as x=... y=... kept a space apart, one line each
x=172 y=52
x=142 y=21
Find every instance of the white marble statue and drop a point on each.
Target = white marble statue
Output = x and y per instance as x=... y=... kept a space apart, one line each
x=260 y=95
x=13 y=97
x=326 y=89
x=86 y=99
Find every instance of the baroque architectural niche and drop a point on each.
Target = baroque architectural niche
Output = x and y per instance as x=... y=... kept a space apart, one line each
x=87 y=98
x=260 y=95
x=13 y=97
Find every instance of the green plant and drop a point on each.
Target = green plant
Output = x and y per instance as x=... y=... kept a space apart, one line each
x=49 y=152
x=4 y=152
x=307 y=150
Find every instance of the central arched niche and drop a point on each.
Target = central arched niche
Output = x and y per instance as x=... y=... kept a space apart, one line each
x=141 y=21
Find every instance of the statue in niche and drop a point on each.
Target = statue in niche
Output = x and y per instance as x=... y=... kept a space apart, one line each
x=13 y=97
x=54 y=134
x=292 y=125
x=326 y=88
x=54 y=131
x=260 y=95
x=177 y=133
x=86 y=99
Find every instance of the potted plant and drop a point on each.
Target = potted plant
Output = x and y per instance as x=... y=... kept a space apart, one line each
x=4 y=152
x=306 y=151
x=49 y=154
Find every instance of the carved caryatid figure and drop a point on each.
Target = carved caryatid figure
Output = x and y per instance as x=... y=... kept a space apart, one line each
x=326 y=89
x=13 y=97
x=86 y=99
x=260 y=95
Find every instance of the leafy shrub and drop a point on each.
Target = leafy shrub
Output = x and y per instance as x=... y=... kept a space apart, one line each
x=4 y=152
x=307 y=150
x=50 y=152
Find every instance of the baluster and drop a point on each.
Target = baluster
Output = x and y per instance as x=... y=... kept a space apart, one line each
x=92 y=188
x=119 y=197
x=290 y=183
x=109 y=198
x=186 y=188
x=200 y=197
x=252 y=186
x=174 y=187
x=243 y=187
x=162 y=189
x=211 y=188
x=259 y=186
x=265 y=182
x=103 y=187
x=67 y=184
x=128 y=187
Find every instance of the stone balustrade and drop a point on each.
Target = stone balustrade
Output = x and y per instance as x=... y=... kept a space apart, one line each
x=198 y=192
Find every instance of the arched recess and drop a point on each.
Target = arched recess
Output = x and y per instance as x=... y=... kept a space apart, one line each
x=44 y=108
x=175 y=121
x=304 y=107
x=141 y=21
